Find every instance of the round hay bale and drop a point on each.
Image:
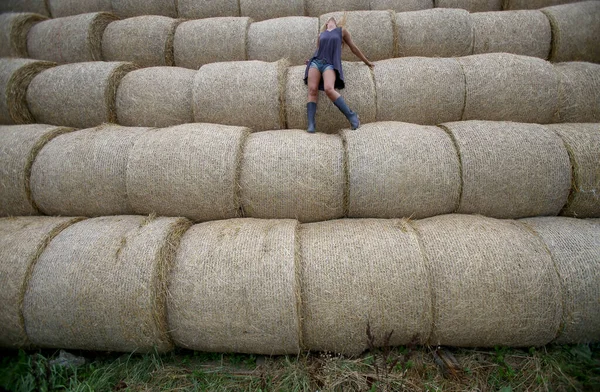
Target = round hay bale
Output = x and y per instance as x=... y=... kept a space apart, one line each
x=84 y=173
x=200 y=42
x=534 y=4
x=575 y=248
x=101 y=285
x=61 y=8
x=129 y=8
x=434 y=33
x=190 y=170
x=155 y=97
x=401 y=6
x=270 y=9
x=244 y=93
x=508 y=87
x=400 y=170
x=579 y=96
x=200 y=9
x=358 y=274
x=293 y=174
x=493 y=282
x=471 y=5
x=72 y=39
x=22 y=240
x=359 y=94
x=34 y=6
x=14 y=28
x=234 y=287
x=511 y=170
x=518 y=32
x=419 y=90
x=144 y=40
x=78 y=95
x=582 y=142
x=575 y=31
x=19 y=146
x=320 y=7
x=15 y=77
x=267 y=43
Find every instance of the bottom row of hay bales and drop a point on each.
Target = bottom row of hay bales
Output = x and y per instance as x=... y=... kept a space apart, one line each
x=133 y=283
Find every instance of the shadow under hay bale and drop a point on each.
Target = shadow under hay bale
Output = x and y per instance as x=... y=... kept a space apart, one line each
x=534 y=4
x=579 y=95
x=270 y=9
x=200 y=9
x=320 y=7
x=401 y=6
x=34 y=6
x=61 y=8
x=14 y=28
x=129 y=8
x=471 y=5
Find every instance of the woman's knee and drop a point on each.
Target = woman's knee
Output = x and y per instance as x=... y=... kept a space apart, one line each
x=329 y=90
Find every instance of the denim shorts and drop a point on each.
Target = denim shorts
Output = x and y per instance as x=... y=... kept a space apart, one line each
x=321 y=65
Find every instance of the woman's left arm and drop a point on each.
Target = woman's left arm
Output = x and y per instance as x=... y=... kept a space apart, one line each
x=348 y=40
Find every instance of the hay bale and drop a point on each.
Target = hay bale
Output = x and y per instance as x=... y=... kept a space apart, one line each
x=200 y=9
x=22 y=240
x=101 y=285
x=419 y=90
x=579 y=95
x=61 y=8
x=15 y=77
x=19 y=145
x=493 y=282
x=401 y=6
x=511 y=170
x=359 y=94
x=534 y=4
x=575 y=248
x=14 y=28
x=267 y=43
x=144 y=40
x=244 y=93
x=471 y=5
x=271 y=9
x=34 y=6
x=434 y=33
x=320 y=7
x=234 y=287
x=200 y=42
x=155 y=97
x=356 y=272
x=190 y=170
x=507 y=87
x=78 y=95
x=84 y=173
x=518 y=32
x=582 y=142
x=129 y=8
x=72 y=39
x=575 y=31
x=293 y=174
x=400 y=170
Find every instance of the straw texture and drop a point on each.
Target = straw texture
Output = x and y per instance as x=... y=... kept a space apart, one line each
x=494 y=282
x=356 y=272
x=434 y=33
x=99 y=285
x=579 y=96
x=270 y=9
x=293 y=38
x=518 y=32
x=233 y=288
x=401 y=170
x=72 y=39
x=199 y=42
x=511 y=170
x=35 y=6
x=155 y=97
x=583 y=144
x=359 y=94
x=129 y=8
x=200 y=9
x=471 y=5
x=419 y=90
x=320 y=7
x=293 y=174
x=534 y=4
x=61 y=8
x=144 y=40
x=401 y=6
x=19 y=145
x=575 y=248
x=189 y=170
x=13 y=33
x=78 y=95
x=84 y=173
x=507 y=87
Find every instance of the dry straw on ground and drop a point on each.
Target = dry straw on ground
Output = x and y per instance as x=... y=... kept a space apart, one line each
x=78 y=95
x=200 y=42
x=71 y=39
x=579 y=95
x=129 y=8
x=401 y=6
x=190 y=170
x=518 y=32
x=155 y=97
x=320 y=7
x=534 y=4
x=99 y=285
x=270 y=9
x=233 y=288
x=511 y=170
x=35 y=6
x=471 y=5
x=144 y=40
x=419 y=90
x=293 y=174
x=19 y=147
x=61 y=8
x=14 y=28
x=293 y=38
x=494 y=282
x=400 y=170
x=200 y=9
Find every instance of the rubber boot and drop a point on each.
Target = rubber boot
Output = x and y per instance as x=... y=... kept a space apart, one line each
x=311 y=109
x=350 y=115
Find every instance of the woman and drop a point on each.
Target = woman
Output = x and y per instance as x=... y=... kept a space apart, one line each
x=324 y=71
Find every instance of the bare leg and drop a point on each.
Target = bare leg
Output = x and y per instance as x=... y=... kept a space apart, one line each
x=329 y=83
x=314 y=77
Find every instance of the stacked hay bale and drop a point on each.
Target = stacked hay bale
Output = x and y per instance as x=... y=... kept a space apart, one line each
x=201 y=9
x=61 y=8
x=534 y=4
x=129 y=8
x=579 y=94
x=401 y=6
x=471 y=5
x=270 y=9
x=33 y=6
x=320 y=7
x=14 y=28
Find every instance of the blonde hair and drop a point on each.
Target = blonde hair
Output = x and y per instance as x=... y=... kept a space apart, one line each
x=341 y=23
